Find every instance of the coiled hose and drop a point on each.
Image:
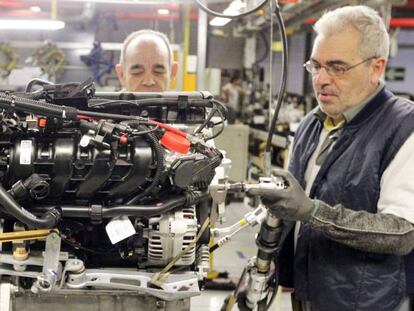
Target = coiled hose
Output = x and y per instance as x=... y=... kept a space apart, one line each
x=48 y=220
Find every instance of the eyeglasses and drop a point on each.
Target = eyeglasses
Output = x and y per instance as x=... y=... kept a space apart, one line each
x=334 y=70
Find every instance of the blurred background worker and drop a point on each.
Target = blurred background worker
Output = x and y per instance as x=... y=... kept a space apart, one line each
x=146 y=63
x=232 y=96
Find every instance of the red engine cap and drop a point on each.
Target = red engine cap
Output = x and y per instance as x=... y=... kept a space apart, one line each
x=175 y=142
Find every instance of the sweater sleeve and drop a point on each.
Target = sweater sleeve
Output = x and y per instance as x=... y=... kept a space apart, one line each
x=378 y=233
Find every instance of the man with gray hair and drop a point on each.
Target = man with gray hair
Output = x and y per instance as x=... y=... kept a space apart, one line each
x=146 y=63
x=348 y=206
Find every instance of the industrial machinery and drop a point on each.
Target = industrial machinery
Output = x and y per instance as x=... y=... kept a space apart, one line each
x=105 y=195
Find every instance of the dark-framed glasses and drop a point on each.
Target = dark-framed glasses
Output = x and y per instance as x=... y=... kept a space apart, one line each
x=334 y=70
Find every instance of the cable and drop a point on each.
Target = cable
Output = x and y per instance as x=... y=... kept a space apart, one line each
x=108 y=102
x=216 y=108
x=214 y=13
x=221 y=128
x=205 y=123
x=109 y=115
x=34 y=82
x=283 y=78
x=156 y=128
x=93 y=251
x=274 y=293
x=151 y=101
x=159 y=162
x=232 y=299
x=270 y=99
x=224 y=108
x=266 y=48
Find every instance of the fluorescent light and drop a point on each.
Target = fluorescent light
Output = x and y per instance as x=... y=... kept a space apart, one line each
x=219 y=21
x=233 y=9
x=31 y=24
x=35 y=9
x=133 y=2
x=113 y=46
x=163 y=11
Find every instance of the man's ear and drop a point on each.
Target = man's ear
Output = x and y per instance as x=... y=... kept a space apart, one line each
x=379 y=68
x=174 y=70
x=120 y=73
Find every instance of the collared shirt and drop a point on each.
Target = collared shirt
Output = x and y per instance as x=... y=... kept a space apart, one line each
x=314 y=165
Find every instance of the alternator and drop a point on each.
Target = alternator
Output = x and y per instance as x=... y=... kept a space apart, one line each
x=169 y=234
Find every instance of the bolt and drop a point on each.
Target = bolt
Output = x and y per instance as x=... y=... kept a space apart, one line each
x=160 y=304
x=34 y=289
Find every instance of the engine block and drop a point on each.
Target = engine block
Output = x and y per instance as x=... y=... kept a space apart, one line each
x=111 y=180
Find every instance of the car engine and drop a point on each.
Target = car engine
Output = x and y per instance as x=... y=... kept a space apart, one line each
x=106 y=193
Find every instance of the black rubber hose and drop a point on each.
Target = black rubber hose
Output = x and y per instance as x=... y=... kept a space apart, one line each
x=159 y=158
x=146 y=211
x=282 y=87
x=48 y=220
x=37 y=107
x=130 y=210
x=125 y=210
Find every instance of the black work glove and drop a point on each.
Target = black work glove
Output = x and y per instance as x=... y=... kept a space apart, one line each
x=290 y=203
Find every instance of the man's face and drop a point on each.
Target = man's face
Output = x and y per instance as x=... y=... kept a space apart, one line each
x=147 y=66
x=336 y=94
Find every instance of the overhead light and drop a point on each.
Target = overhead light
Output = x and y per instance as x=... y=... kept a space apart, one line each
x=31 y=24
x=163 y=11
x=133 y=2
x=233 y=9
x=219 y=21
x=35 y=9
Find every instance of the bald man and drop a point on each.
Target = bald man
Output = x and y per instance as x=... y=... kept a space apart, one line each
x=146 y=62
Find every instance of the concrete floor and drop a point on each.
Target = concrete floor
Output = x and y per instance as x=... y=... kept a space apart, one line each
x=232 y=258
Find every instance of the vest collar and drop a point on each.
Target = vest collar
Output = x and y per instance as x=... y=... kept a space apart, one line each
x=371 y=108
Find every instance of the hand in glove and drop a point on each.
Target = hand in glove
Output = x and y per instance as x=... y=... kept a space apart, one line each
x=290 y=203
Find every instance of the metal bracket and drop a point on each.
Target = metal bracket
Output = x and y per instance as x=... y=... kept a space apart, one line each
x=175 y=287
x=218 y=193
x=52 y=268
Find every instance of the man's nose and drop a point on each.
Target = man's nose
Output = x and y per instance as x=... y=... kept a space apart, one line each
x=148 y=80
x=322 y=77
